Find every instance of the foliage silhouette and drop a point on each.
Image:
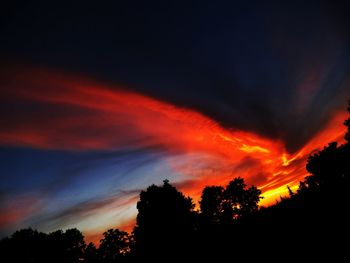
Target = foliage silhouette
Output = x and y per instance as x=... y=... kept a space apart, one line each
x=91 y=254
x=211 y=203
x=28 y=245
x=347 y=124
x=115 y=246
x=223 y=205
x=165 y=222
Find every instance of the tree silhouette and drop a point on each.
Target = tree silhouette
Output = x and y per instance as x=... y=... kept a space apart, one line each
x=347 y=124
x=68 y=246
x=242 y=200
x=164 y=223
x=223 y=205
x=330 y=167
x=211 y=203
x=114 y=246
x=74 y=244
x=324 y=166
x=28 y=245
x=25 y=245
x=90 y=254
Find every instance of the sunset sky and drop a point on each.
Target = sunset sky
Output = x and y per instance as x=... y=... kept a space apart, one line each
x=97 y=102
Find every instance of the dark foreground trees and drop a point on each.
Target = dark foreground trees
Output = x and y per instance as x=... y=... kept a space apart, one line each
x=28 y=245
x=316 y=218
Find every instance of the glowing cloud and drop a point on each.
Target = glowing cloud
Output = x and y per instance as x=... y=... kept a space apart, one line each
x=59 y=111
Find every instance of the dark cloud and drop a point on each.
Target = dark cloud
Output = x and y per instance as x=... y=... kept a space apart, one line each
x=258 y=179
x=240 y=63
x=246 y=163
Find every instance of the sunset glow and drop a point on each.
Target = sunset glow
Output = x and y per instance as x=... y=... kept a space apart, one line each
x=84 y=115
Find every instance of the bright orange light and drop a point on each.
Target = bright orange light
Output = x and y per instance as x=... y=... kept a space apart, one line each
x=253 y=149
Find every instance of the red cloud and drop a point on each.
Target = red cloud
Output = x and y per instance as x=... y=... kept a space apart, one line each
x=59 y=111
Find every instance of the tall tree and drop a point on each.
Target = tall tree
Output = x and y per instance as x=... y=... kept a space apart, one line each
x=164 y=223
x=90 y=254
x=68 y=246
x=74 y=244
x=211 y=203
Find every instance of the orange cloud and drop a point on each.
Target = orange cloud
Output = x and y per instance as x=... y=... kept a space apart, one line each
x=59 y=111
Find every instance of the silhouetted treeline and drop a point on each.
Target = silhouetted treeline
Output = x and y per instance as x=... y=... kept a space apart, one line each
x=312 y=223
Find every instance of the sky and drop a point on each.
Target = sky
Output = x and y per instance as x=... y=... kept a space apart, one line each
x=100 y=101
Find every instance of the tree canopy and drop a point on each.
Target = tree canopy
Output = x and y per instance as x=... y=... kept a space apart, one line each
x=223 y=205
x=164 y=220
